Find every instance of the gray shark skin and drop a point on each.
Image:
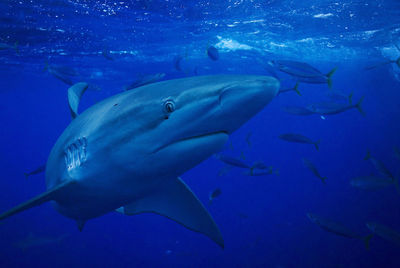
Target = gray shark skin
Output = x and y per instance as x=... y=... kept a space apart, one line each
x=127 y=152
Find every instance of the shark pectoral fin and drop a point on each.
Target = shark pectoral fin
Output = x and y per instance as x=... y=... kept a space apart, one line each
x=74 y=96
x=177 y=202
x=38 y=200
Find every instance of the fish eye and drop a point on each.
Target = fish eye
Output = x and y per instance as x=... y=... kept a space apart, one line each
x=169 y=106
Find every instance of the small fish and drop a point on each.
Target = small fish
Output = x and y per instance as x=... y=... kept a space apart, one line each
x=262 y=172
x=331 y=108
x=232 y=161
x=145 y=80
x=61 y=69
x=297 y=110
x=62 y=73
x=372 y=182
x=214 y=194
x=295 y=89
x=304 y=72
x=384 y=232
x=61 y=77
x=296 y=68
x=292 y=137
x=379 y=166
x=326 y=79
x=36 y=171
x=338 y=229
x=308 y=164
x=212 y=53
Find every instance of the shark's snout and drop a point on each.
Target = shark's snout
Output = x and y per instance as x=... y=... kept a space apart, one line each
x=242 y=100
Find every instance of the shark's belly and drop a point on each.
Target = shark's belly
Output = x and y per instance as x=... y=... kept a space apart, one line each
x=103 y=192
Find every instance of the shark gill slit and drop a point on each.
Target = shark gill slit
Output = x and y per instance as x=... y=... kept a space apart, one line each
x=75 y=154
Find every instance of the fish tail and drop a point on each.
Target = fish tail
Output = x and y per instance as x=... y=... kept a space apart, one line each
x=251 y=171
x=296 y=88
x=316 y=144
x=359 y=107
x=368 y=155
x=277 y=173
x=323 y=179
x=351 y=98
x=26 y=175
x=329 y=75
x=367 y=239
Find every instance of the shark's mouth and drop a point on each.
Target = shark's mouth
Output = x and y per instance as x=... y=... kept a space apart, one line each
x=210 y=135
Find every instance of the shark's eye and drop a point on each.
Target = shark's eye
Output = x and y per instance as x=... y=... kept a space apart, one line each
x=169 y=106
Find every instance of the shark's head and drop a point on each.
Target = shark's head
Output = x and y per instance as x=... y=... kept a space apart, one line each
x=169 y=127
x=176 y=124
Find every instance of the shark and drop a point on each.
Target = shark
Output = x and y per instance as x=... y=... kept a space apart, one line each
x=127 y=152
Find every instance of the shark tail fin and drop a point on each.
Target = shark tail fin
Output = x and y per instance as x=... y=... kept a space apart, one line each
x=177 y=202
x=359 y=107
x=367 y=240
x=329 y=76
x=38 y=200
x=296 y=88
x=316 y=144
x=368 y=155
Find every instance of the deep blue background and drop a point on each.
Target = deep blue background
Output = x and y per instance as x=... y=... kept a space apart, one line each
x=263 y=219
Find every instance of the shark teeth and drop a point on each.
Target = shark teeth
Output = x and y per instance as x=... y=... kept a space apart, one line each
x=75 y=154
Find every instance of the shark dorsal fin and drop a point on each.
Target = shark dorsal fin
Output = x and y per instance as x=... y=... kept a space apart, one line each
x=174 y=200
x=75 y=93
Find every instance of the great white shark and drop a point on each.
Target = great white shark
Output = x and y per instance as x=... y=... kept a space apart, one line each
x=126 y=153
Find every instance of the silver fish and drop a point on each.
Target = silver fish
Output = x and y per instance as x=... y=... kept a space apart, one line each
x=307 y=163
x=338 y=228
x=299 y=138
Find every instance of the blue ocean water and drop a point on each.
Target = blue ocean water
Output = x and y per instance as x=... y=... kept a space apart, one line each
x=263 y=219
